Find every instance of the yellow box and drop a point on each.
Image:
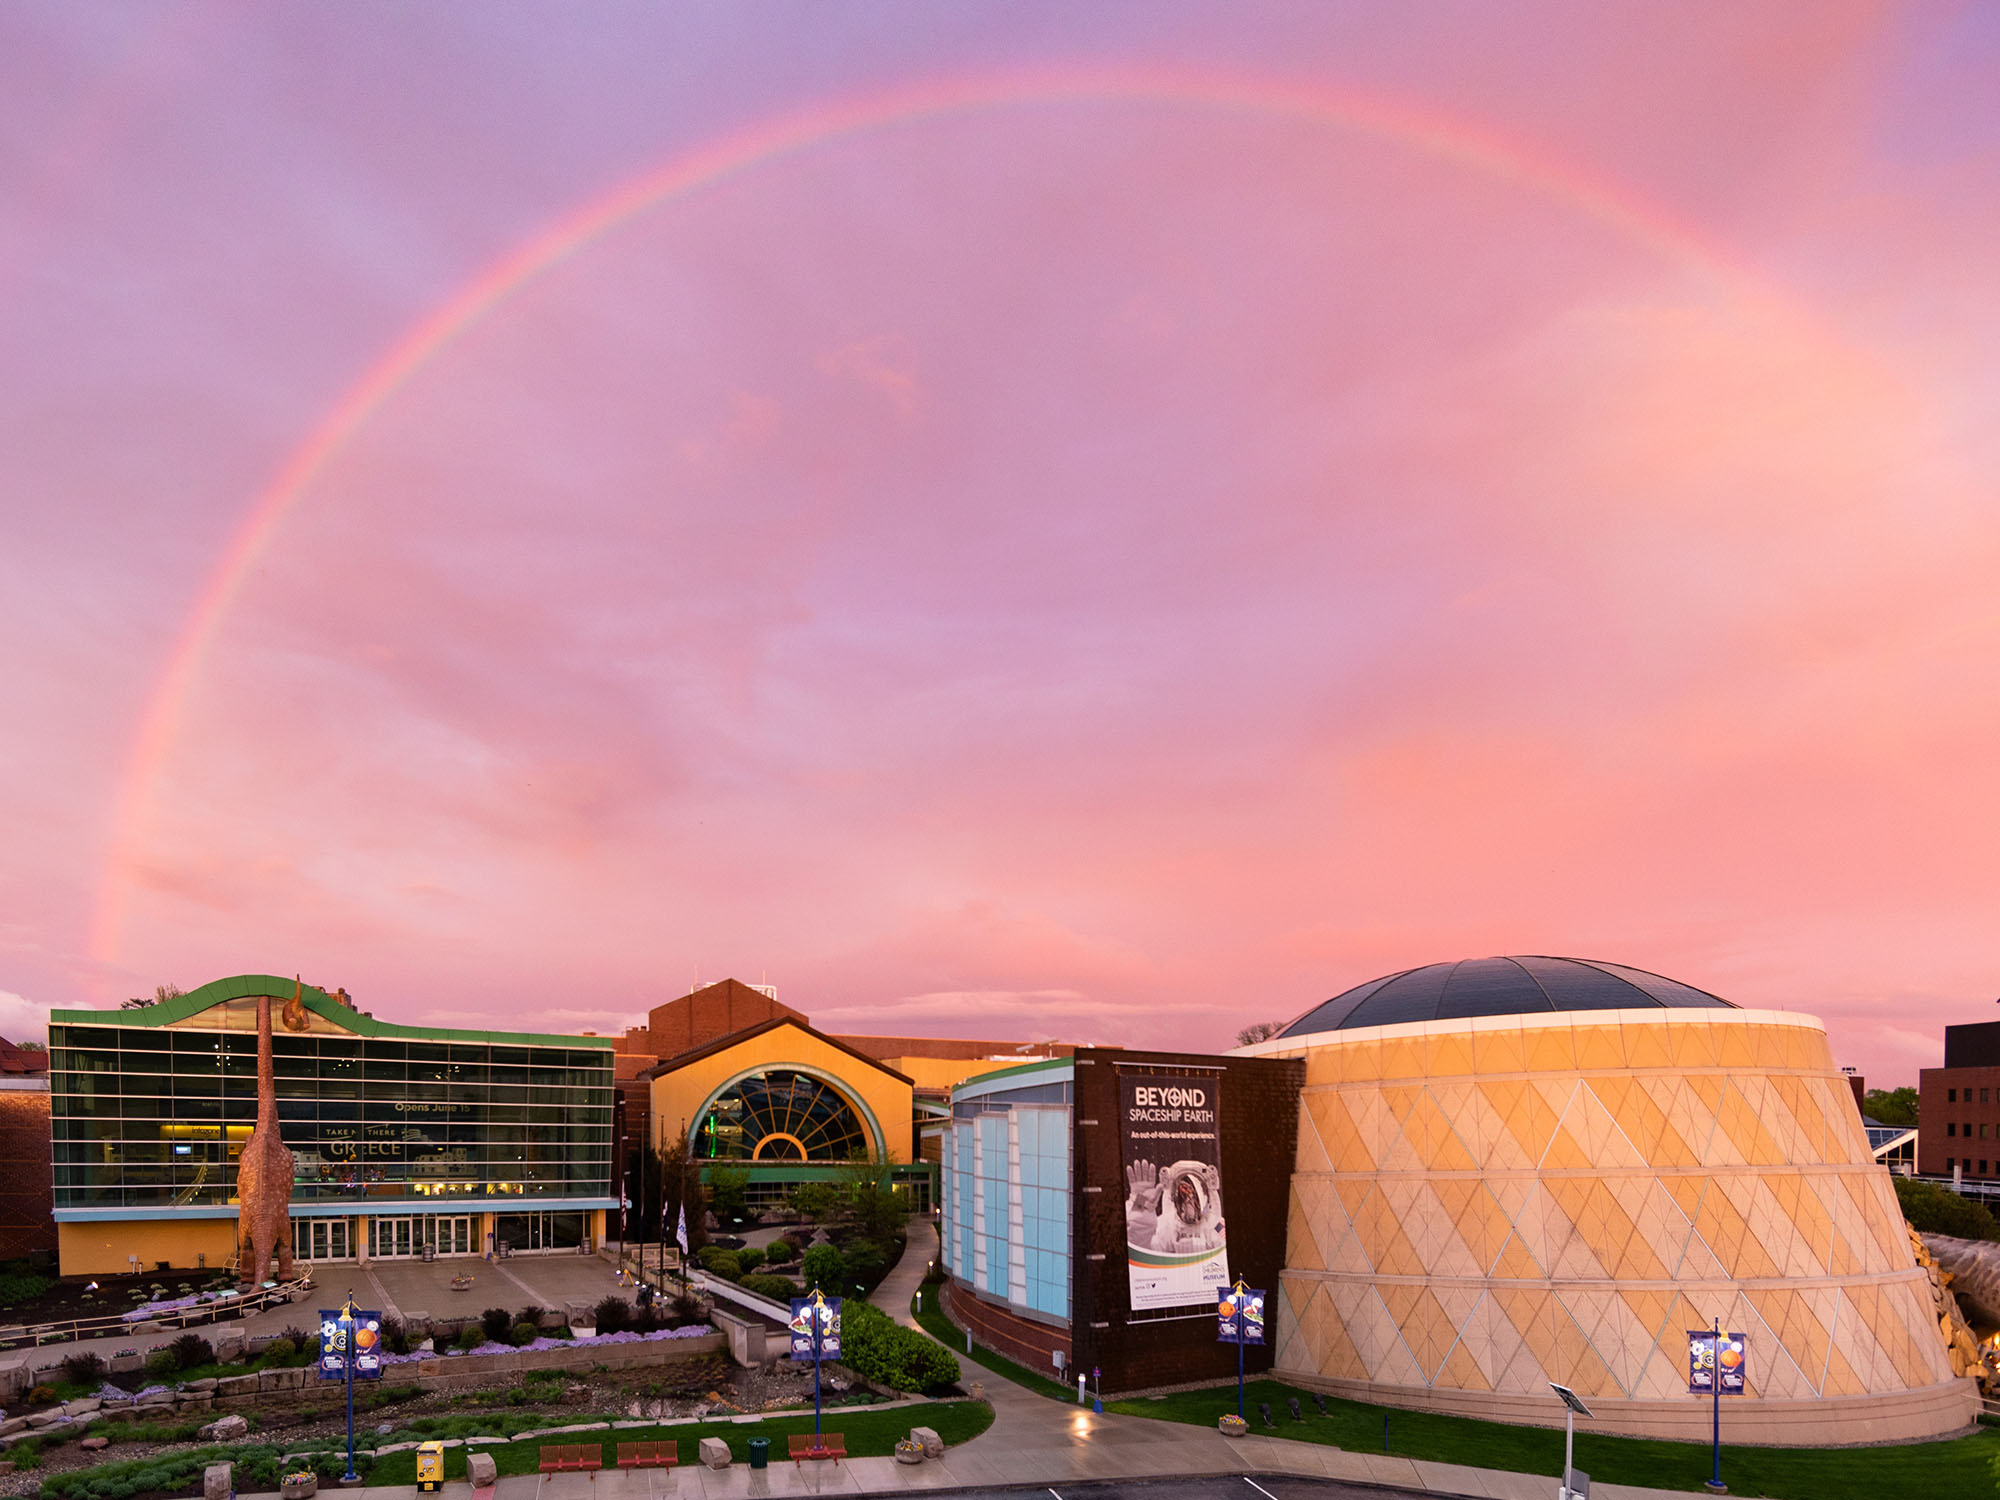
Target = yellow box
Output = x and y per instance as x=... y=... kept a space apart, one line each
x=430 y=1468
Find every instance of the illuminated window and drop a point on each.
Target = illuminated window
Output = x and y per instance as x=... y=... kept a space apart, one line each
x=781 y=1115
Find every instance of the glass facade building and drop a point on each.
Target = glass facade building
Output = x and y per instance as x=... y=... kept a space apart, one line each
x=420 y=1137
x=1006 y=1189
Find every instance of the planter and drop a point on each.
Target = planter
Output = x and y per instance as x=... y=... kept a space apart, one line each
x=1232 y=1426
x=299 y=1486
x=909 y=1453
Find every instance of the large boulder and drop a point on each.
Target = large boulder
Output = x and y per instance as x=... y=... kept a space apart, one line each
x=481 y=1470
x=217 y=1483
x=714 y=1452
x=927 y=1438
x=227 y=1429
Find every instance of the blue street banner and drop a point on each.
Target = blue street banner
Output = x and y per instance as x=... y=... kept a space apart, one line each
x=1704 y=1359
x=333 y=1351
x=827 y=1312
x=1239 y=1315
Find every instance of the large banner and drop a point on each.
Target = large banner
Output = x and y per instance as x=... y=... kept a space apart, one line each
x=1169 y=1134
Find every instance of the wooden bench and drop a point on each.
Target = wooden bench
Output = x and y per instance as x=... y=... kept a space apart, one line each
x=566 y=1458
x=648 y=1455
x=827 y=1445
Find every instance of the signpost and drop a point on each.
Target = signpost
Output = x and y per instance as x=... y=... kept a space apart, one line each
x=1239 y=1320
x=815 y=1336
x=1716 y=1365
x=350 y=1349
x=1570 y=1489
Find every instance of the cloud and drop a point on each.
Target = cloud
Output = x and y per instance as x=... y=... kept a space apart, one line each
x=21 y=1019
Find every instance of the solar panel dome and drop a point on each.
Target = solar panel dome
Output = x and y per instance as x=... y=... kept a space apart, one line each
x=1499 y=987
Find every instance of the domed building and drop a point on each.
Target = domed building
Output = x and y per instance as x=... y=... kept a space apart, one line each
x=1512 y=1171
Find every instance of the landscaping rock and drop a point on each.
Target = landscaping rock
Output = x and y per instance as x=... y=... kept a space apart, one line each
x=195 y=1401
x=6 y=1466
x=225 y=1430
x=236 y=1385
x=281 y=1380
x=714 y=1453
x=201 y=1387
x=84 y=1406
x=13 y=1425
x=217 y=1482
x=45 y=1418
x=927 y=1438
x=481 y=1470
x=92 y=1444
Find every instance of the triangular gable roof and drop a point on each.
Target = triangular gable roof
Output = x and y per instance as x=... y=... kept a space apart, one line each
x=737 y=1038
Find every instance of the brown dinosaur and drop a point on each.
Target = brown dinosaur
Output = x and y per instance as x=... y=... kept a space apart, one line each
x=264 y=1175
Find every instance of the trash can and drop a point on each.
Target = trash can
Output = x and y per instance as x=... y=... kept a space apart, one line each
x=760 y=1452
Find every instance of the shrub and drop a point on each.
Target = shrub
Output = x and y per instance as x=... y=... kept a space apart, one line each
x=1937 y=1210
x=470 y=1338
x=191 y=1349
x=876 y=1348
x=41 y=1395
x=719 y=1262
x=687 y=1307
x=161 y=1363
x=19 y=1285
x=395 y=1337
x=526 y=1332
x=779 y=1251
x=612 y=1314
x=777 y=1288
x=645 y=1317
x=496 y=1323
x=83 y=1368
x=867 y=1263
x=825 y=1268
x=531 y=1314
x=281 y=1350
x=749 y=1259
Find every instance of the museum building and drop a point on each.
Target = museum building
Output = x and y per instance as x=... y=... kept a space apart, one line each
x=1512 y=1171
x=407 y=1141
x=1458 y=1184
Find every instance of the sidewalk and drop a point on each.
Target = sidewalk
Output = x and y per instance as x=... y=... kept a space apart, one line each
x=1033 y=1441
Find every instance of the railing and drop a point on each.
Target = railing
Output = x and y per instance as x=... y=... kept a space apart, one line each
x=67 y=1330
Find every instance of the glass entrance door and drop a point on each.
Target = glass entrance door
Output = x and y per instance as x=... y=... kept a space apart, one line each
x=401 y=1238
x=317 y=1240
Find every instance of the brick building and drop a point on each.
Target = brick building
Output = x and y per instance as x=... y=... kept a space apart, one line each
x=1958 y=1105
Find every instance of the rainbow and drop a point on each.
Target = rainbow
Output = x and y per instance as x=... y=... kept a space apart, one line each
x=1419 y=129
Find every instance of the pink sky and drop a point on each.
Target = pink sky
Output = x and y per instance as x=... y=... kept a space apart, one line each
x=1134 y=520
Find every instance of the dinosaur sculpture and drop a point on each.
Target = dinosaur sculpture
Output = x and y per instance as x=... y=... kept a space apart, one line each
x=264 y=1175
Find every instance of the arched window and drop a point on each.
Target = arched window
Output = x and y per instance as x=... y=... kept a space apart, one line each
x=781 y=1115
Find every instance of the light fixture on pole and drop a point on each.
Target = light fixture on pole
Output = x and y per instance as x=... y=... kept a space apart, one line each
x=1573 y=1408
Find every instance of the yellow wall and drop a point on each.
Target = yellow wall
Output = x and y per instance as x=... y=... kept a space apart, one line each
x=99 y=1247
x=948 y=1072
x=678 y=1096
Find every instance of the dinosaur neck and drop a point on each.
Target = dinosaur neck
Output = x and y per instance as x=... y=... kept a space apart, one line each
x=267 y=1081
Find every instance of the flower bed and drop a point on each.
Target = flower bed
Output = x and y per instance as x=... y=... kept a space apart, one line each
x=596 y=1340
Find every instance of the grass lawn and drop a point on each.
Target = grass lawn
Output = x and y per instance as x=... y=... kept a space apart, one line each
x=930 y=1317
x=1961 y=1467
x=868 y=1434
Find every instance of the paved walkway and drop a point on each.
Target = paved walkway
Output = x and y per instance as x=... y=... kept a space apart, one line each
x=1033 y=1441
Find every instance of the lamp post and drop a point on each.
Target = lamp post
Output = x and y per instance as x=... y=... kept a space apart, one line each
x=1714 y=1481
x=347 y=1363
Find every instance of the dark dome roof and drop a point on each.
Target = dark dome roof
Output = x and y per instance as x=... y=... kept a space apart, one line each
x=1498 y=987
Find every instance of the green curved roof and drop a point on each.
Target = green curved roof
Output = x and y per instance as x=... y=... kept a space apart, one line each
x=248 y=986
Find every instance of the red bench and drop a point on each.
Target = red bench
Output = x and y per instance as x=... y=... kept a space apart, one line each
x=648 y=1455
x=565 y=1458
x=827 y=1445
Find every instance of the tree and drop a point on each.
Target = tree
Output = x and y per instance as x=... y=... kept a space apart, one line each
x=162 y=993
x=654 y=1182
x=729 y=1194
x=1259 y=1031
x=1891 y=1106
x=1936 y=1210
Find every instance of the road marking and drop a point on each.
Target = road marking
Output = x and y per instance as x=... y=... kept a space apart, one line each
x=1052 y=1491
x=1259 y=1488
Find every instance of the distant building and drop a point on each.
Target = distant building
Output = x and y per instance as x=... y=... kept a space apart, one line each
x=26 y=1225
x=755 y=1087
x=1958 y=1106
